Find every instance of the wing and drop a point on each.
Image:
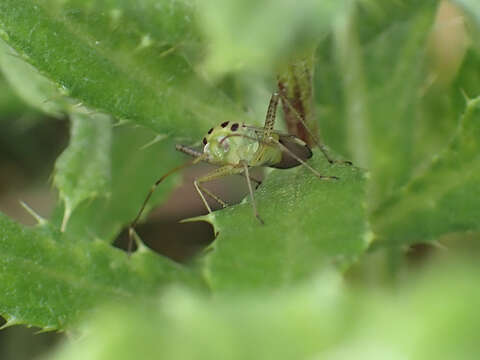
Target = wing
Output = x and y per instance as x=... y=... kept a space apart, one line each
x=296 y=146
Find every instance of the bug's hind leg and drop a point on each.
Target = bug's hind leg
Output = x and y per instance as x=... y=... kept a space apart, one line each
x=315 y=139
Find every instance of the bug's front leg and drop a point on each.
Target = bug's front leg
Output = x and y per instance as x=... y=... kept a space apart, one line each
x=250 y=189
x=213 y=175
x=131 y=229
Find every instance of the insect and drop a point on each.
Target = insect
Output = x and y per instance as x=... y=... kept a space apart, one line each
x=236 y=148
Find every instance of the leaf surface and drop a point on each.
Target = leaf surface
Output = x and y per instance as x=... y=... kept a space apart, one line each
x=116 y=62
x=51 y=283
x=309 y=224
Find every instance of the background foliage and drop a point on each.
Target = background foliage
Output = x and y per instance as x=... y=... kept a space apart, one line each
x=380 y=262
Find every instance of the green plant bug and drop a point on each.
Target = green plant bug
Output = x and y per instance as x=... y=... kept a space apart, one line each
x=236 y=148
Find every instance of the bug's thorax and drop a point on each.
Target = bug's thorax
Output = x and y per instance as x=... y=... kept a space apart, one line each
x=233 y=143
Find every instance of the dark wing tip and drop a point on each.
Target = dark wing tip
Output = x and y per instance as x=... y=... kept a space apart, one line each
x=295 y=146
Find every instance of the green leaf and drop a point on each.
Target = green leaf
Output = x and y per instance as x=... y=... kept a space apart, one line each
x=260 y=36
x=128 y=61
x=318 y=320
x=83 y=170
x=309 y=224
x=444 y=198
x=51 y=283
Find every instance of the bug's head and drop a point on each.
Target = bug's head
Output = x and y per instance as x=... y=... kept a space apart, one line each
x=222 y=146
x=215 y=143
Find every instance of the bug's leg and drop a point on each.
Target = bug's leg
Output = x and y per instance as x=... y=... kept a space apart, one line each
x=215 y=174
x=213 y=196
x=271 y=115
x=258 y=182
x=250 y=189
x=292 y=154
x=315 y=139
x=133 y=224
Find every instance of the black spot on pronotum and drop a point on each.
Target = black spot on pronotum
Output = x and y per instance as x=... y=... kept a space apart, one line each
x=204 y=141
x=234 y=127
x=210 y=131
x=224 y=124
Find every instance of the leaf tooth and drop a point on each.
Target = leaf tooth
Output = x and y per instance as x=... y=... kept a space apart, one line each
x=11 y=320
x=208 y=218
x=45 y=329
x=66 y=216
x=155 y=140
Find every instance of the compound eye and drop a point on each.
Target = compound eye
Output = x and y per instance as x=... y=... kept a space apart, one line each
x=204 y=141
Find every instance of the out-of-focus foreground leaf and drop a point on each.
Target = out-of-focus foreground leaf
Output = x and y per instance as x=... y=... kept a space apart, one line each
x=126 y=60
x=309 y=224
x=51 y=283
x=320 y=320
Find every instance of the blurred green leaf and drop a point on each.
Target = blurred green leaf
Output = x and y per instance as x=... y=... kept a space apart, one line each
x=319 y=320
x=128 y=61
x=30 y=85
x=83 y=170
x=472 y=10
x=137 y=158
x=445 y=197
x=51 y=283
x=369 y=82
x=261 y=36
x=309 y=224
x=10 y=104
